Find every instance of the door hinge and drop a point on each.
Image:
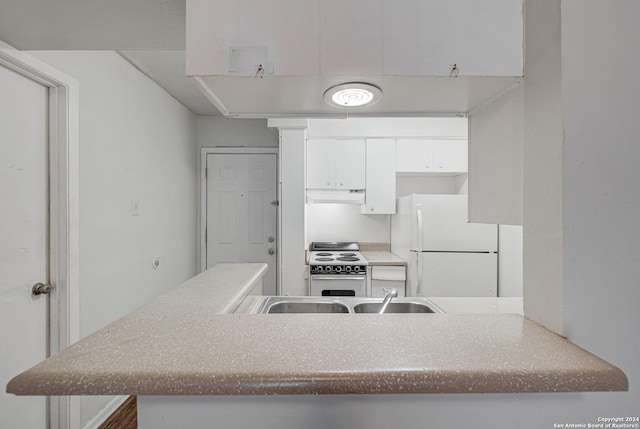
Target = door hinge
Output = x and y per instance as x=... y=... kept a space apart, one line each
x=205 y=236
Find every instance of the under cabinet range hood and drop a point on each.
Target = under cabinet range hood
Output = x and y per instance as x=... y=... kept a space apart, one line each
x=247 y=63
x=341 y=196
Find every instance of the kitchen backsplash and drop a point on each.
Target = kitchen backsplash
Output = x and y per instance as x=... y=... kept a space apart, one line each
x=344 y=222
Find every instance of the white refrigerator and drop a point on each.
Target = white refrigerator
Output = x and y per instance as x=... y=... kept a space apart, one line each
x=446 y=255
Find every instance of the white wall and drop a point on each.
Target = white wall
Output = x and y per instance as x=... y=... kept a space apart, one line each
x=510 y=261
x=137 y=144
x=291 y=246
x=496 y=161
x=601 y=186
x=542 y=172
x=433 y=128
x=344 y=222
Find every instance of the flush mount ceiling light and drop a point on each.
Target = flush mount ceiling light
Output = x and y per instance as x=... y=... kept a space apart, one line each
x=353 y=94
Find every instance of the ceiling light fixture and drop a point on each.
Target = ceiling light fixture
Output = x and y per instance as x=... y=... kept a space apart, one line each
x=352 y=94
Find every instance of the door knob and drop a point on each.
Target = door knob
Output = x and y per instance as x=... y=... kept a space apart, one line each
x=41 y=289
x=275 y=203
x=271 y=251
x=271 y=238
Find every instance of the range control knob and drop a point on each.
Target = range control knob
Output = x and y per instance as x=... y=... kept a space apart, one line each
x=348 y=268
x=319 y=268
x=327 y=269
x=356 y=269
x=338 y=269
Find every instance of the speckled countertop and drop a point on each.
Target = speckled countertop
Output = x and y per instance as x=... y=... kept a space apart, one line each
x=375 y=258
x=177 y=345
x=379 y=254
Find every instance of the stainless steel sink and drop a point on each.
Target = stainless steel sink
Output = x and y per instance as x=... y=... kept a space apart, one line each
x=311 y=304
x=394 y=307
x=307 y=307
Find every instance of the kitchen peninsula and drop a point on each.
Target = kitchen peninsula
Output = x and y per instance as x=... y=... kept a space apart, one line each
x=187 y=342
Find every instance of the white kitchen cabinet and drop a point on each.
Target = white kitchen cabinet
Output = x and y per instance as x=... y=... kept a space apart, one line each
x=350 y=158
x=321 y=165
x=431 y=156
x=336 y=164
x=450 y=156
x=414 y=156
x=334 y=37
x=381 y=177
x=386 y=277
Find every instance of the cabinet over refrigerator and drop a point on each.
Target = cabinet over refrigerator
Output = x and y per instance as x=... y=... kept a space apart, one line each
x=446 y=255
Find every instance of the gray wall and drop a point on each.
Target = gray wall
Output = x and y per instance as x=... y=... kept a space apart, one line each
x=219 y=131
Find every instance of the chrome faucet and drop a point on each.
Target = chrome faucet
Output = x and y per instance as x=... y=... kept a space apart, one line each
x=390 y=294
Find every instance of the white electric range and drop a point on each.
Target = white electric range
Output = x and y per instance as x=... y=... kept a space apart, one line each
x=337 y=269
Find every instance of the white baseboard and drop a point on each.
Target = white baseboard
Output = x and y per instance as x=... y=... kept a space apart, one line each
x=104 y=414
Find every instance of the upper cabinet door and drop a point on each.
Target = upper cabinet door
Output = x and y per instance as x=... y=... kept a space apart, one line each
x=414 y=156
x=381 y=177
x=335 y=164
x=450 y=156
x=431 y=156
x=350 y=156
x=321 y=164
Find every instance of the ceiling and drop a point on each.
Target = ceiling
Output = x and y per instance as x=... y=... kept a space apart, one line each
x=148 y=33
x=300 y=96
x=167 y=69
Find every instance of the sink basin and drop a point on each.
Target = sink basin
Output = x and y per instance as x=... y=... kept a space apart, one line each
x=316 y=304
x=393 y=307
x=307 y=307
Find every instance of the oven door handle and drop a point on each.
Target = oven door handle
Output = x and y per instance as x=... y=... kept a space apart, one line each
x=347 y=277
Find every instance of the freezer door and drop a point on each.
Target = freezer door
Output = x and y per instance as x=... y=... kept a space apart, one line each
x=440 y=225
x=456 y=274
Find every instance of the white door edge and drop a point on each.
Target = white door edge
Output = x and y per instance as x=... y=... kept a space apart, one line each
x=64 y=411
x=106 y=412
x=202 y=213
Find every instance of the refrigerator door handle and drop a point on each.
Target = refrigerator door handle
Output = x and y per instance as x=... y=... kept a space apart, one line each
x=420 y=228
x=420 y=248
x=419 y=276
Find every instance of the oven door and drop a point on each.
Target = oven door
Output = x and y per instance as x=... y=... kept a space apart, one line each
x=337 y=285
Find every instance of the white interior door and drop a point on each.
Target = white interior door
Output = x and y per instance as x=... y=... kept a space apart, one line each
x=23 y=241
x=241 y=211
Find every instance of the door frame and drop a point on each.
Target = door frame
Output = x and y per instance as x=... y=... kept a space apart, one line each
x=63 y=192
x=202 y=249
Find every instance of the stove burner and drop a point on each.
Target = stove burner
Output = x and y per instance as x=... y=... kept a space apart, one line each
x=324 y=254
x=324 y=259
x=347 y=254
x=348 y=259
